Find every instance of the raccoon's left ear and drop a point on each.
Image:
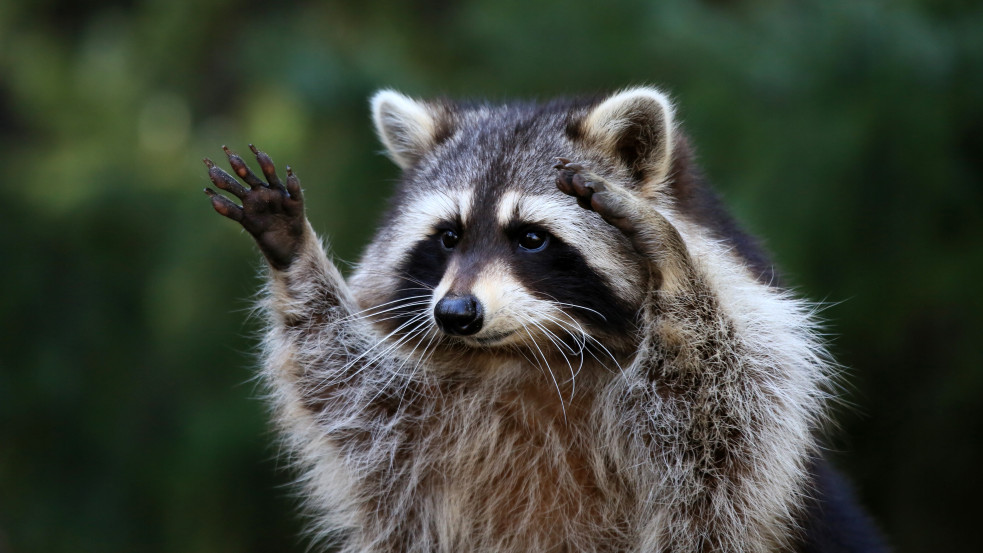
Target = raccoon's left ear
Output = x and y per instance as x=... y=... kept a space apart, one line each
x=408 y=128
x=635 y=126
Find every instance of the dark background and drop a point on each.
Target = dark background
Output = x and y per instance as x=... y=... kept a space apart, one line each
x=846 y=133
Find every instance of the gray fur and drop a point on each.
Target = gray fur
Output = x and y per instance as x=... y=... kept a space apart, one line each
x=689 y=432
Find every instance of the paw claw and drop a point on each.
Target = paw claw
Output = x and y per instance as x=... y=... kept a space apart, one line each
x=241 y=169
x=269 y=170
x=561 y=162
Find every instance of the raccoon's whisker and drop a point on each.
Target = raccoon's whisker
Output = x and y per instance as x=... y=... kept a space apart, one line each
x=580 y=338
x=421 y=287
x=408 y=278
x=590 y=341
x=325 y=382
x=535 y=360
x=391 y=302
x=552 y=337
x=581 y=341
x=554 y=301
x=569 y=319
x=541 y=328
x=596 y=343
x=418 y=334
x=391 y=317
x=382 y=340
x=399 y=315
x=405 y=277
x=396 y=372
x=580 y=358
x=417 y=320
x=560 y=346
x=372 y=318
x=389 y=272
x=419 y=330
x=609 y=354
x=395 y=308
x=550 y=371
x=427 y=353
x=372 y=310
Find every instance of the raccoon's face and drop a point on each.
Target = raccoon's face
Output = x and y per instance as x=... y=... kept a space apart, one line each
x=512 y=267
x=480 y=249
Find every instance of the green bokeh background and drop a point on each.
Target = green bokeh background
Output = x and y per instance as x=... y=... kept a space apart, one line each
x=848 y=134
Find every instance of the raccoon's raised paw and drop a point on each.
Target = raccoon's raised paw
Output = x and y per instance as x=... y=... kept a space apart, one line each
x=614 y=204
x=271 y=211
x=650 y=233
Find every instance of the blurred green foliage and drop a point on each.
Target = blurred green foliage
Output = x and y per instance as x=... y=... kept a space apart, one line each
x=849 y=134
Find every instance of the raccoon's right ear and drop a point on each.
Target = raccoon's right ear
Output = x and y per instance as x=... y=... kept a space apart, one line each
x=408 y=128
x=636 y=127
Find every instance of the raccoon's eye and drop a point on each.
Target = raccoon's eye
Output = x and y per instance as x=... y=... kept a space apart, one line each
x=534 y=241
x=448 y=239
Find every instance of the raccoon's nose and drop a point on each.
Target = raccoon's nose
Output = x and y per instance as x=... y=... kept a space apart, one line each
x=458 y=315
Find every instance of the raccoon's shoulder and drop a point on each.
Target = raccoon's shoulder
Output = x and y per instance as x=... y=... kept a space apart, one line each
x=696 y=200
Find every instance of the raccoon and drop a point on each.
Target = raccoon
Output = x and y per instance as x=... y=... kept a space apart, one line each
x=558 y=340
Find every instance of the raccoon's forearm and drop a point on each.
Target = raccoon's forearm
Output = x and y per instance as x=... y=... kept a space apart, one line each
x=727 y=389
x=309 y=304
x=311 y=290
x=713 y=371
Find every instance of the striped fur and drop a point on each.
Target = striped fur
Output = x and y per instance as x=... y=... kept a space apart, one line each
x=671 y=404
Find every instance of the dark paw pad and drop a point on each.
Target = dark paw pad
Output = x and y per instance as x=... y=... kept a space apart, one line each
x=576 y=180
x=273 y=212
x=613 y=204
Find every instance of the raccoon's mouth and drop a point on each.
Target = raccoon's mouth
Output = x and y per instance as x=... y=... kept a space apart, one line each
x=490 y=340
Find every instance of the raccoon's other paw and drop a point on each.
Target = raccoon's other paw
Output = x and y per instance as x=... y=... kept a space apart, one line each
x=614 y=204
x=651 y=234
x=273 y=213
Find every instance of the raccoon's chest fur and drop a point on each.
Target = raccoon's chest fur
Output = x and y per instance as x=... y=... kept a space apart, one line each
x=480 y=467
